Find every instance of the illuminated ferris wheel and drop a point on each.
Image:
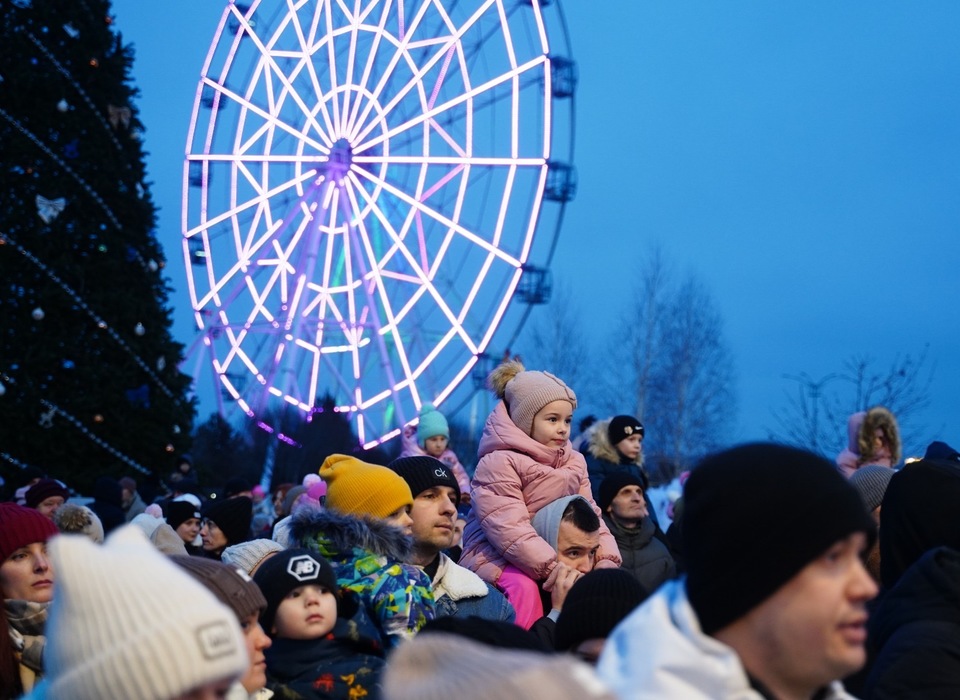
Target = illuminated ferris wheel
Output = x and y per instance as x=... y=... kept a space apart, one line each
x=368 y=186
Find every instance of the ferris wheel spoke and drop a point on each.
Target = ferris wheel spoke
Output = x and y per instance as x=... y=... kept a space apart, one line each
x=283 y=126
x=259 y=200
x=425 y=281
x=392 y=327
x=276 y=72
x=399 y=51
x=246 y=255
x=449 y=104
x=437 y=216
x=372 y=54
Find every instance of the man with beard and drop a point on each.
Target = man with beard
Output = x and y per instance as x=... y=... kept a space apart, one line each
x=436 y=493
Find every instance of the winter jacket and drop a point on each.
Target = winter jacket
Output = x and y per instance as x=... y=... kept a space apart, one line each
x=367 y=555
x=345 y=664
x=108 y=504
x=862 y=427
x=136 y=507
x=644 y=555
x=603 y=460
x=461 y=593
x=658 y=652
x=411 y=448
x=516 y=477
x=915 y=632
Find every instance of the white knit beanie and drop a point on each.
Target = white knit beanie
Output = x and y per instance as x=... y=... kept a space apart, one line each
x=126 y=622
x=440 y=666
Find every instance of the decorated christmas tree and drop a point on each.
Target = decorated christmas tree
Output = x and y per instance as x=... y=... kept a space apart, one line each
x=89 y=379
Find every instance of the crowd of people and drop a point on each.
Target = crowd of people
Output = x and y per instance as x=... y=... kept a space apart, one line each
x=546 y=575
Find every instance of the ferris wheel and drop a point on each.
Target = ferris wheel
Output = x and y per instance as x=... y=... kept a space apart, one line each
x=372 y=193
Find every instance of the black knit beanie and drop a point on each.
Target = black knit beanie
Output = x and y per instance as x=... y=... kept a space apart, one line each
x=289 y=569
x=422 y=473
x=232 y=515
x=494 y=633
x=622 y=427
x=595 y=605
x=754 y=516
x=610 y=487
x=178 y=512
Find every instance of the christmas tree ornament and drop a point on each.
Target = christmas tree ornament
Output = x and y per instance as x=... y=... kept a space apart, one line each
x=68 y=364
x=176 y=430
x=46 y=418
x=139 y=329
x=37 y=314
x=152 y=265
x=49 y=209
x=170 y=447
x=71 y=32
x=161 y=364
x=119 y=116
x=98 y=418
x=139 y=396
x=63 y=105
x=94 y=63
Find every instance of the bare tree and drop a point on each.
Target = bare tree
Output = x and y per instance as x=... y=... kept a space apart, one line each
x=671 y=366
x=815 y=417
x=693 y=399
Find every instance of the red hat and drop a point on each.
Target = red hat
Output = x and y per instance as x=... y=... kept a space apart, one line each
x=21 y=526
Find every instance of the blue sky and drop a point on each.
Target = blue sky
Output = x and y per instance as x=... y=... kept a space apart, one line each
x=802 y=158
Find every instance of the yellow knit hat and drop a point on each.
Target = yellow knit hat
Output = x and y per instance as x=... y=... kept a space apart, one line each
x=359 y=488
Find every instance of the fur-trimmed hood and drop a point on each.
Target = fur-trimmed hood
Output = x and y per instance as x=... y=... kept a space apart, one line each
x=862 y=428
x=879 y=418
x=601 y=447
x=338 y=535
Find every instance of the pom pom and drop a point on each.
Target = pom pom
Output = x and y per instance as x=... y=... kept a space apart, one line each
x=154 y=510
x=501 y=376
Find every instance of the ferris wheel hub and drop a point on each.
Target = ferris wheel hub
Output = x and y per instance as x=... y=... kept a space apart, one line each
x=339 y=160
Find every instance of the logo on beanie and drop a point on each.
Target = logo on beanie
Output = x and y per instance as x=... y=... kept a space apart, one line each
x=439 y=472
x=215 y=640
x=303 y=568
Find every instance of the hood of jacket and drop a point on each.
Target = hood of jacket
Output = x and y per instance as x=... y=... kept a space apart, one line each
x=601 y=447
x=337 y=536
x=501 y=433
x=659 y=651
x=928 y=590
x=547 y=520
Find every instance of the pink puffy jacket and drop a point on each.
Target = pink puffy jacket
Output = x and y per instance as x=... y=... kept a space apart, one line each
x=516 y=477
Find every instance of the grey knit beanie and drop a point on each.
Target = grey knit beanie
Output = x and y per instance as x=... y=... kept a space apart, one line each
x=871 y=483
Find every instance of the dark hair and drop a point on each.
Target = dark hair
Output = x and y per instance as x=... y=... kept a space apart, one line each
x=579 y=512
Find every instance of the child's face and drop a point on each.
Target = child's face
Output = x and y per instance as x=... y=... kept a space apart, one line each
x=401 y=518
x=307 y=612
x=551 y=425
x=631 y=446
x=435 y=446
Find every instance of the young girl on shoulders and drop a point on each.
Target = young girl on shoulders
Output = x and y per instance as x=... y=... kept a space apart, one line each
x=526 y=462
